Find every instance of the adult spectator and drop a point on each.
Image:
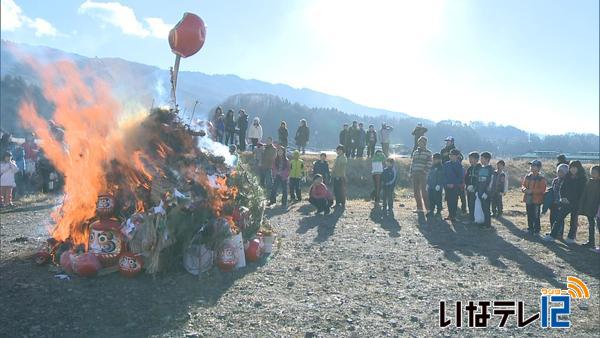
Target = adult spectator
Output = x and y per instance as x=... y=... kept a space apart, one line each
x=345 y=139
x=362 y=140
x=302 y=136
x=242 y=127
x=447 y=149
x=354 y=136
x=384 y=135
x=371 y=141
x=283 y=134
x=255 y=132
x=561 y=159
x=266 y=164
x=220 y=128
x=417 y=133
x=229 y=127
x=218 y=112
x=419 y=168
x=31 y=150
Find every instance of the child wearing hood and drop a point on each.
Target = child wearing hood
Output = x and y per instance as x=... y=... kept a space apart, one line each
x=589 y=204
x=255 y=132
x=320 y=196
x=296 y=174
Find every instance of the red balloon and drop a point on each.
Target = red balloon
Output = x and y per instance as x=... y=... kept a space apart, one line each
x=187 y=37
x=253 y=250
x=86 y=265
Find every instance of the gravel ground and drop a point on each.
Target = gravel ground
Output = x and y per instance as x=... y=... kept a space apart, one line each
x=349 y=274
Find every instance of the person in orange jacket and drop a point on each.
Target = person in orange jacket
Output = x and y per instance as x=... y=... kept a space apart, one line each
x=534 y=187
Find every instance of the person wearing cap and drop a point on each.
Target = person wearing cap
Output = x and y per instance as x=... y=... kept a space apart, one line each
x=453 y=179
x=419 y=167
x=552 y=197
x=533 y=188
x=255 y=132
x=561 y=159
x=446 y=150
x=417 y=133
x=384 y=135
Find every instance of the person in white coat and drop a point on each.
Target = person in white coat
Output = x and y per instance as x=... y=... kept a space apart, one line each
x=8 y=169
x=255 y=132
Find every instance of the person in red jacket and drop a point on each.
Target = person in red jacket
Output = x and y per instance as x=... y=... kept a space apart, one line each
x=320 y=196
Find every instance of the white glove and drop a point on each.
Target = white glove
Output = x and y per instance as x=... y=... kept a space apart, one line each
x=470 y=188
x=484 y=196
x=564 y=200
x=438 y=188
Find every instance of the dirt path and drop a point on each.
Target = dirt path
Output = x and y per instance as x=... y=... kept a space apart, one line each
x=345 y=274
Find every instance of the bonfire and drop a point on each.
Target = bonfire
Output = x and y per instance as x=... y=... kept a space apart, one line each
x=140 y=191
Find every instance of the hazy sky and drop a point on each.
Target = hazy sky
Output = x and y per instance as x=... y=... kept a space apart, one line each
x=530 y=63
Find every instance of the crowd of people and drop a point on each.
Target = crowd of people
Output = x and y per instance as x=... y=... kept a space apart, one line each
x=436 y=177
x=24 y=169
x=229 y=130
x=571 y=193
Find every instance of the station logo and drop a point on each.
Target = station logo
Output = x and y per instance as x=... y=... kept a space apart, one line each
x=555 y=308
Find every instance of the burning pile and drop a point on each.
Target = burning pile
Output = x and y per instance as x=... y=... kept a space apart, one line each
x=140 y=191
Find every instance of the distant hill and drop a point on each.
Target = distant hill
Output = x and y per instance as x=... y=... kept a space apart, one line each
x=145 y=83
x=272 y=102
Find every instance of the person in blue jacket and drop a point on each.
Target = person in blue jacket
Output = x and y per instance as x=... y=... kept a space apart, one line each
x=453 y=179
x=435 y=186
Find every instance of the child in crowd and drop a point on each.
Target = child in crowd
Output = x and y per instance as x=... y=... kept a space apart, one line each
x=499 y=188
x=281 y=171
x=435 y=184
x=233 y=153
x=8 y=169
x=552 y=196
x=258 y=153
x=533 y=187
x=590 y=201
x=339 y=177
x=321 y=167
x=484 y=186
x=453 y=179
x=320 y=196
x=296 y=174
x=388 y=182
x=570 y=194
x=471 y=181
x=376 y=171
